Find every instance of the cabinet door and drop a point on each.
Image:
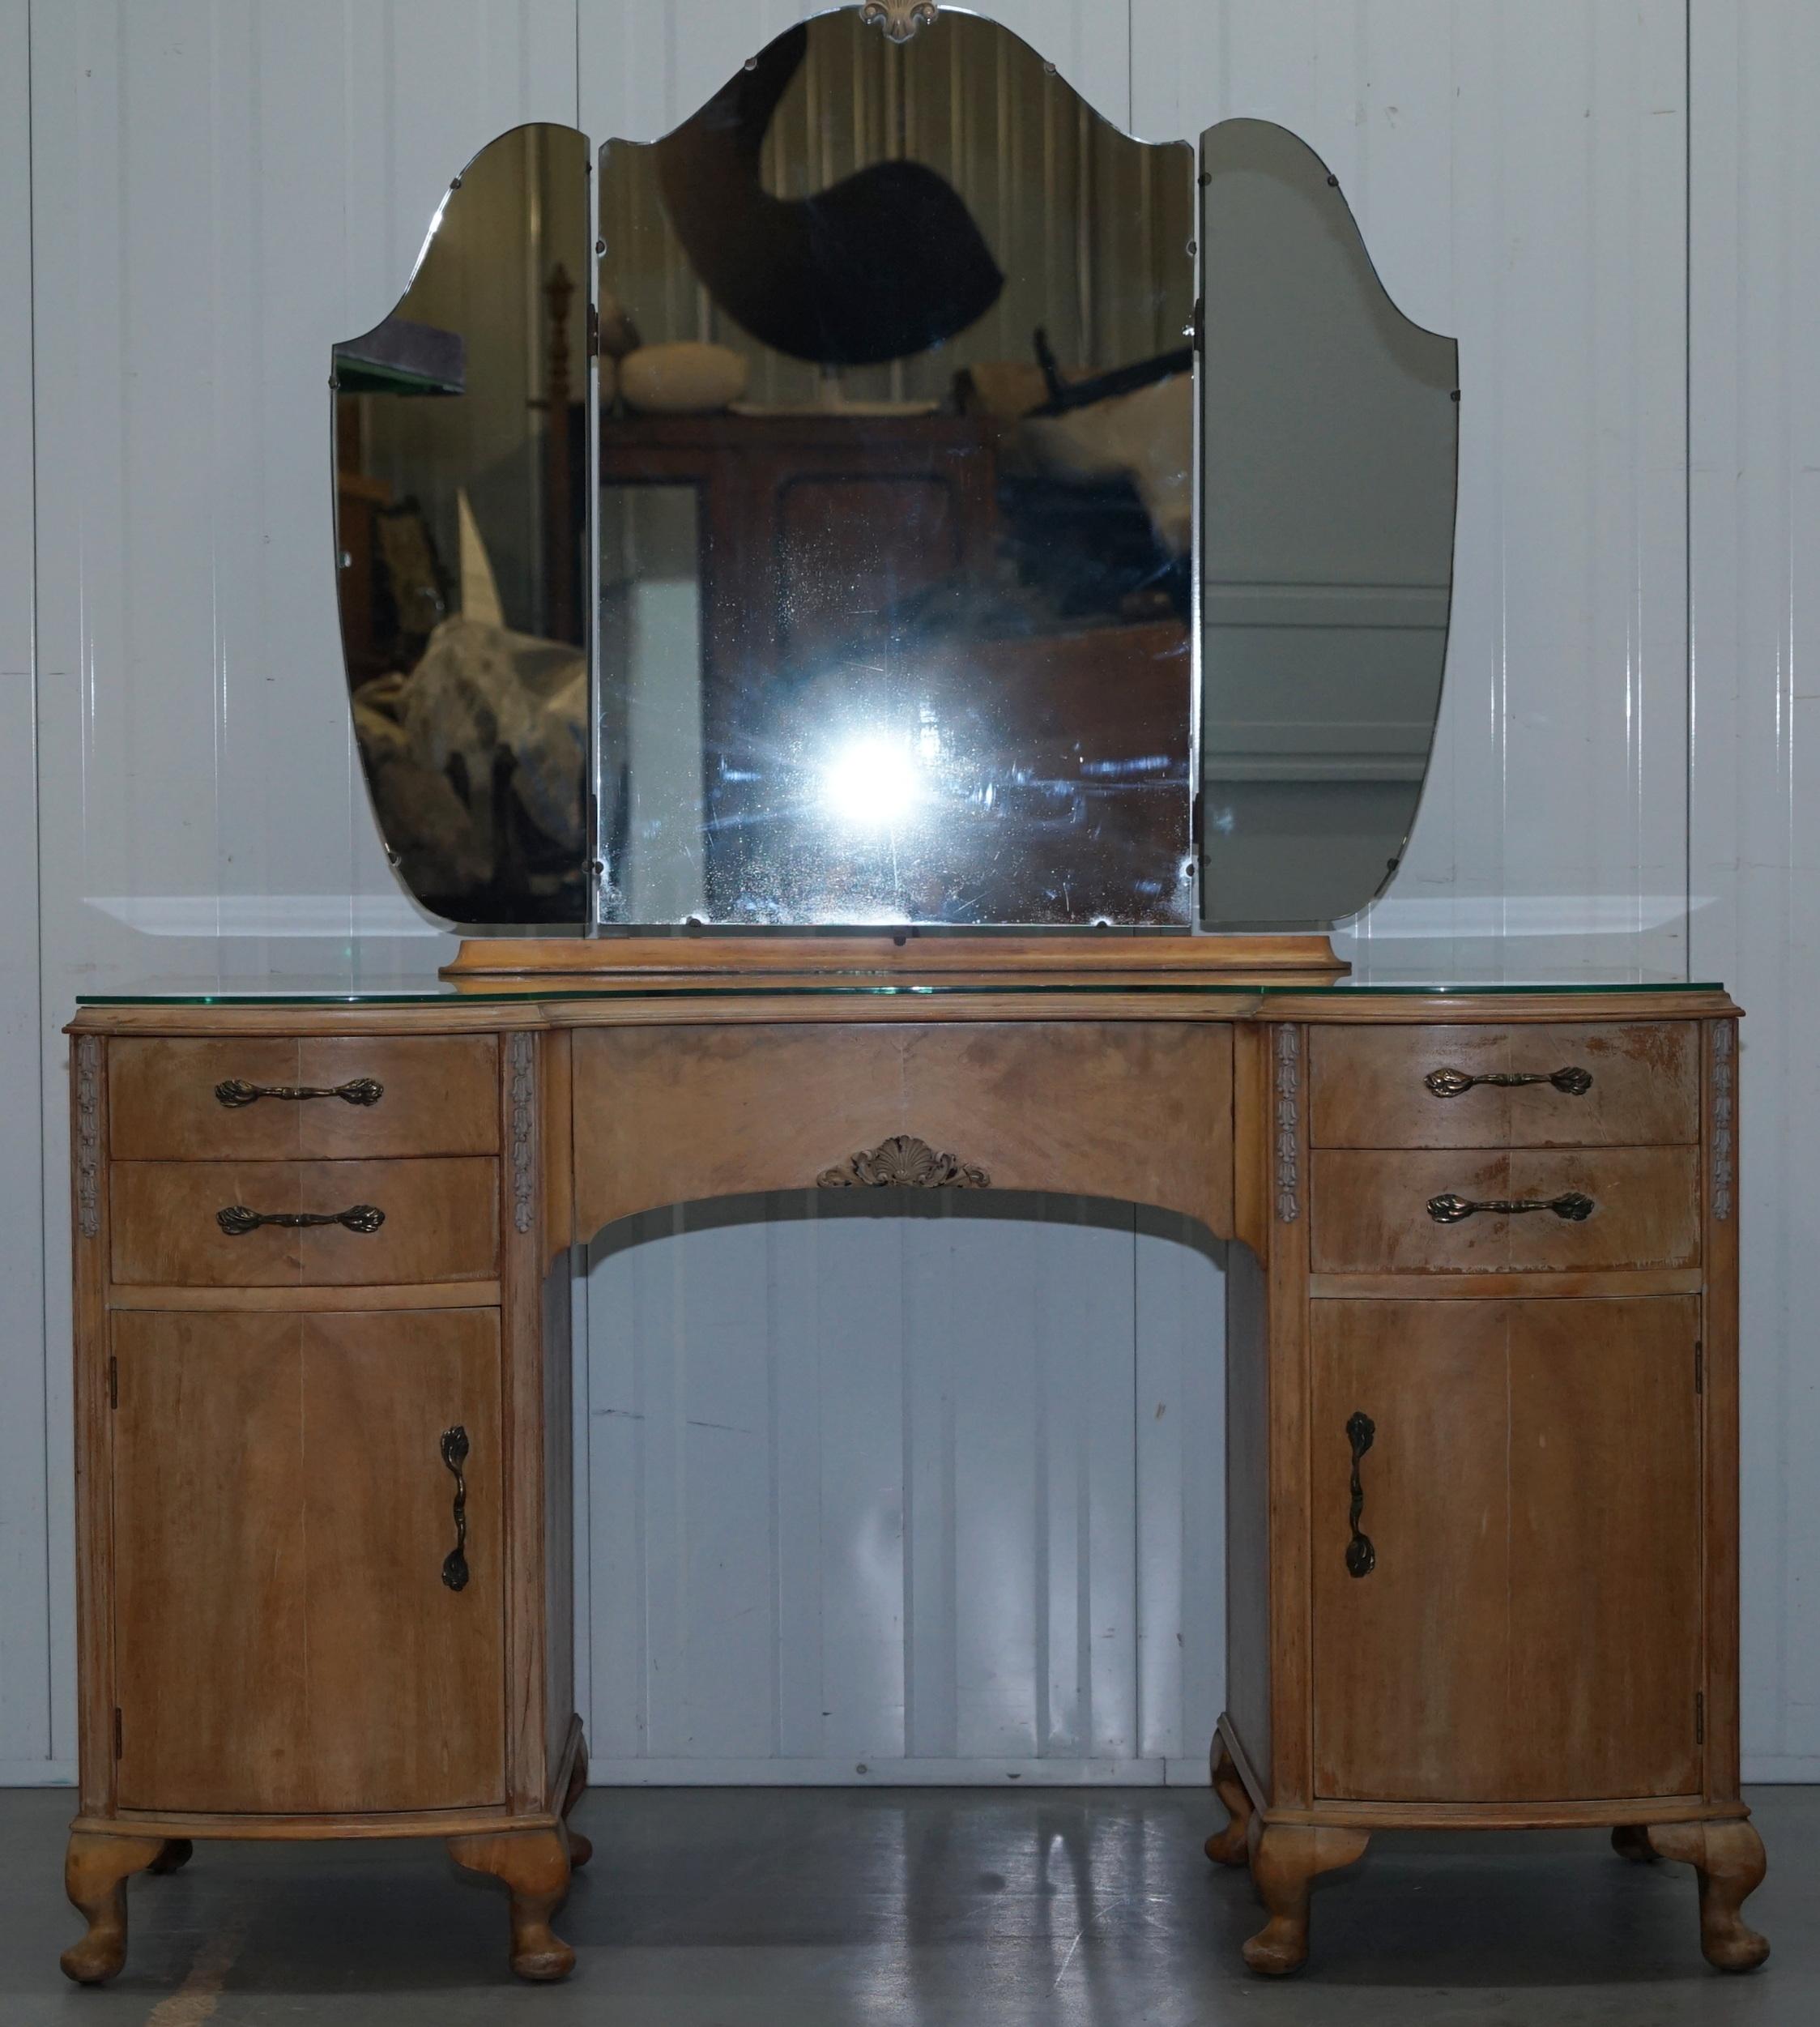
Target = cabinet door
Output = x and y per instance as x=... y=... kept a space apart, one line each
x=284 y=1640
x=1531 y=1629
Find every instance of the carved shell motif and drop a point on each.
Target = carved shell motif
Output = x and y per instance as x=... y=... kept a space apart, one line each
x=899 y=19
x=902 y=1162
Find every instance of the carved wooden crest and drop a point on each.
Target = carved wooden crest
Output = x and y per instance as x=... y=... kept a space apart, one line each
x=899 y=19
x=902 y=1162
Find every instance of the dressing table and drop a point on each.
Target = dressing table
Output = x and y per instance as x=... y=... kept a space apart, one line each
x=1483 y=1261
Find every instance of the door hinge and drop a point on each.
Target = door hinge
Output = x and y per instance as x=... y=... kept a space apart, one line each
x=1700 y=1366
x=116 y=1744
x=113 y=1383
x=1699 y=1717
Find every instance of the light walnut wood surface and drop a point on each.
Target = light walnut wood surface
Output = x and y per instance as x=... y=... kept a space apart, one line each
x=1549 y=1635
x=888 y=953
x=673 y=1118
x=1368 y=1088
x=439 y=1095
x=285 y=1641
x=1370 y=1210
x=1532 y=1494
x=441 y=1223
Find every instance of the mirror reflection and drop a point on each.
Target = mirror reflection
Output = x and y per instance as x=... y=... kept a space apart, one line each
x=895 y=507
x=460 y=498
x=1331 y=432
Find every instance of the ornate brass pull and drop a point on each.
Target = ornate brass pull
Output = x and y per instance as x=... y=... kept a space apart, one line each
x=1570 y=1204
x=454 y=1455
x=1361 y=1558
x=235 y=1091
x=237 y=1220
x=1450 y=1083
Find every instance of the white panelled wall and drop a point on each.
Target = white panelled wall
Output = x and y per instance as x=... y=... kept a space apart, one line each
x=937 y=1496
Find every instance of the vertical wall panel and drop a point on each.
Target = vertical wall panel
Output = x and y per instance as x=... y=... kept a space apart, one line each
x=220 y=189
x=1519 y=176
x=25 y=1723
x=1755 y=391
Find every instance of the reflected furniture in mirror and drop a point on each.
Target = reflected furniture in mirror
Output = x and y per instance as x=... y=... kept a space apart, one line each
x=947 y=558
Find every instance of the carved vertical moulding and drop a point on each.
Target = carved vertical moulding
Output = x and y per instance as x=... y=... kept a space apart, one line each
x=521 y=1057
x=1724 y=1099
x=88 y=1136
x=1289 y=1123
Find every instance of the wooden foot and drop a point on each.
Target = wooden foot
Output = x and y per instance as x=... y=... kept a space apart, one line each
x=96 y=1870
x=534 y=1865
x=1727 y=1860
x=1286 y=1858
x=1231 y=1846
x=177 y=1854
x=580 y=1849
x=1631 y=1841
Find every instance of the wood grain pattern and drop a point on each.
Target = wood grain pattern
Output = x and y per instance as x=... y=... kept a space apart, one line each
x=1250 y=1650
x=1718 y=1317
x=438 y=1098
x=1532 y=1627
x=1285 y=1861
x=404 y=1678
x=210 y=1573
x=96 y=1869
x=1553 y=1504
x=893 y=953
x=1370 y=1212
x=534 y=1866
x=1729 y=1863
x=1367 y=1089
x=282 y=1514
x=441 y=1223
x=677 y=1118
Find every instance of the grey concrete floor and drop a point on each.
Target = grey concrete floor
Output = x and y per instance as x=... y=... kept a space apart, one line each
x=743 y=1908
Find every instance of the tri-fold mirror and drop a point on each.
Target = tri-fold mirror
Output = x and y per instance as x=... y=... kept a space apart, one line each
x=896 y=495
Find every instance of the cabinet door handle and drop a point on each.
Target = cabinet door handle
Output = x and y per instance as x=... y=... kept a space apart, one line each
x=1571 y=1204
x=237 y=1220
x=1450 y=1083
x=454 y=1455
x=1361 y=1558
x=235 y=1091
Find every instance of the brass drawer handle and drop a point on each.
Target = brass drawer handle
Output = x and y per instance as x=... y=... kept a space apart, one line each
x=235 y=1091
x=454 y=1455
x=1361 y=1558
x=1571 y=1204
x=237 y=1220
x=1450 y=1083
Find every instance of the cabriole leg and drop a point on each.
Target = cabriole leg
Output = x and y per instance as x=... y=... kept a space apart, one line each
x=1728 y=1862
x=177 y=1854
x=1231 y=1846
x=534 y=1865
x=1285 y=1859
x=581 y=1850
x=1631 y=1841
x=96 y=1870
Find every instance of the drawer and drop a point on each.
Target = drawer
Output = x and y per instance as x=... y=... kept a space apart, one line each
x=1369 y=1210
x=441 y=1224
x=438 y=1094
x=1368 y=1087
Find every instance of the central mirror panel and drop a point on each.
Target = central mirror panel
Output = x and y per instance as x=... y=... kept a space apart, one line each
x=896 y=508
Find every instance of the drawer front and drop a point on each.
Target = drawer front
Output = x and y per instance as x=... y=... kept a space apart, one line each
x=436 y=1095
x=1635 y=1084
x=1370 y=1210
x=441 y=1224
